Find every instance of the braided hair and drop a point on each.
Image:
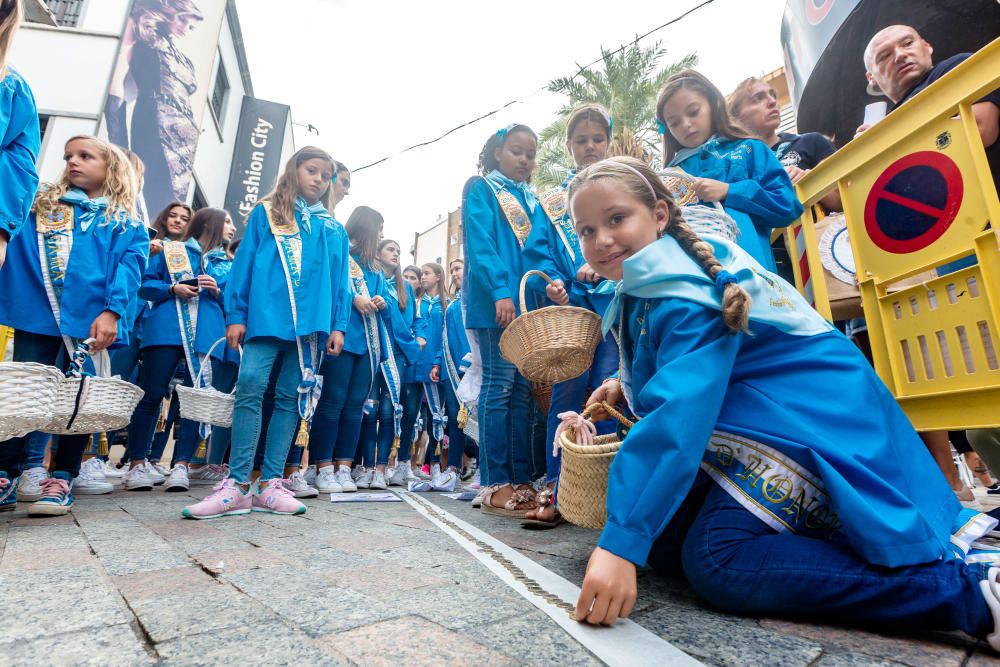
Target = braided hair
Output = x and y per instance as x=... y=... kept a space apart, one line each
x=643 y=183
x=487 y=157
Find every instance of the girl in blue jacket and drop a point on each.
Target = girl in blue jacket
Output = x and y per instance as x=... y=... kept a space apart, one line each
x=498 y=212
x=428 y=370
x=731 y=167
x=287 y=299
x=184 y=283
x=771 y=505
x=95 y=252
x=456 y=358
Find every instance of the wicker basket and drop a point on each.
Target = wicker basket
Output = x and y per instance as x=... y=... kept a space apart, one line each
x=551 y=344
x=28 y=391
x=583 y=480
x=206 y=405
x=87 y=404
x=542 y=393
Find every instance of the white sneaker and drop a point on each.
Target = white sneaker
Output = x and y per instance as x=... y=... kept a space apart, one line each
x=347 y=484
x=113 y=472
x=310 y=475
x=139 y=479
x=469 y=470
x=446 y=481
x=327 y=480
x=178 y=480
x=476 y=482
x=356 y=472
x=378 y=481
x=991 y=593
x=209 y=475
x=364 y=480
x=29 y=489
x=157 y=472
x=397 y=474
x=91 y=480
x=297 y=485
x=418 y=473
x=435 y=471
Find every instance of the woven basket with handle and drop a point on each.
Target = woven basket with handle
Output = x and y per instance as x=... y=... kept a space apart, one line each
x=28 y=392
x=583 y=481
x=86 y=404
x=551 y=344
x=206 y=405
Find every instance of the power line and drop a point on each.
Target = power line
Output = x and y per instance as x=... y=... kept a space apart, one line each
x=535 y=92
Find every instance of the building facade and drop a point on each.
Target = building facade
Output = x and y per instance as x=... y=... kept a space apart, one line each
x=441 y=242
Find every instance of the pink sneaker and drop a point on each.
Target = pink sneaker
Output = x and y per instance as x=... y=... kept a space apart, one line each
x=226 y=500
x=272 y=496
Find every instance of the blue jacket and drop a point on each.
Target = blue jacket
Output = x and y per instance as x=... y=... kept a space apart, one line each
x=104 y=272
x=400 y=323
x=19 y=145
x=257 y=294
x=355 y=339
x=432 y=313
x=458 y=342
x=761 y=196
x=160 y=324
x=495 y=262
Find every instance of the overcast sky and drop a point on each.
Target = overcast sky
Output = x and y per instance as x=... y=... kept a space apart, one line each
x=375 y=76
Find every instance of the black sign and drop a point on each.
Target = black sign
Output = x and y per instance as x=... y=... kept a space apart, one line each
x=256 y=156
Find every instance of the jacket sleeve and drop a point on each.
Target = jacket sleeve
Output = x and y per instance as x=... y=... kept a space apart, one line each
x=679 y=405
x=540 y=254
x=238 y=290
x=220 y=271
x=479 y=214
x=130 y=263
x=155 y=282
x=768 y=195
x=421 y=324
x=438 y=320
x=342 y=285
x=18 y=153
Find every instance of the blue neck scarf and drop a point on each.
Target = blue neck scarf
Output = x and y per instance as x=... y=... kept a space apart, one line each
x=92 y=208
x=569 y=179
x=307 y=212
x=685 y=153
x=529 y=197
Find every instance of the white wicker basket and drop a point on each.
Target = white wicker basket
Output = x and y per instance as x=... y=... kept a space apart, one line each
x=27 y=394
x=206 y=405
x=471 y=428
x=93 y=404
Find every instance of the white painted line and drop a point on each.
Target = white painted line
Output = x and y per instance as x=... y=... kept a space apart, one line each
x=626 y=643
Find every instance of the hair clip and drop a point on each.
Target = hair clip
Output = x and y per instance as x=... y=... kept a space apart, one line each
x=334 y=179
x=660 y=127
x=502 y=132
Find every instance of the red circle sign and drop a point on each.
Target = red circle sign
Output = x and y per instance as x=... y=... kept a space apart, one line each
x=914 y=201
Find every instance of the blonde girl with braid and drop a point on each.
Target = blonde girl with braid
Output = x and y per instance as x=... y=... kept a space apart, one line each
x=769 y=504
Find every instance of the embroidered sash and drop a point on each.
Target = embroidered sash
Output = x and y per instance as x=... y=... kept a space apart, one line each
x=433 y=394
x=463 y=412
x=55 y=243
x=512 y=209
x=553 y=203
x=289 y=242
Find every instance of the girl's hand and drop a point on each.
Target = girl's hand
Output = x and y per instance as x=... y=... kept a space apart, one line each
x=364 y=305
x=104 y=330
x=611 y=393
x=796 y=174
x=185 y=291
x=710 y=190
x=556 y=291
x=422 y=342
x=436 y=374
x=335 y=343
x=155 y=247
x=505 y=312
x=3 y=248
x=235 y=334
x=207 y=282
x=609 y=590
x=588 y=275
x=379 y=302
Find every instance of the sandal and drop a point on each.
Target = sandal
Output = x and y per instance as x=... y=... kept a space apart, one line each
x=545 y=500
x=521 y=502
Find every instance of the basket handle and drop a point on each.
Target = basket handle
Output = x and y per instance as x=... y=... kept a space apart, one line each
x=208 y=358
x=102 y=360
x=524 y=283
x=610 y=409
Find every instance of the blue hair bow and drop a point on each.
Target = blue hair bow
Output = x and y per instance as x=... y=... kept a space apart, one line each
x=660 y=127
x=502 y=132
x=723 y=278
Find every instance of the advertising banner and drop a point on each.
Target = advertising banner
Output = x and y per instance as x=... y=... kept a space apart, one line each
x=256 y=155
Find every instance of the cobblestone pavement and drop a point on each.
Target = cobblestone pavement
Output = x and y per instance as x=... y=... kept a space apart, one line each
x=124 y=581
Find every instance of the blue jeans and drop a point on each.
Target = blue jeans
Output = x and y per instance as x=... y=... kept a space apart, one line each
x=742 y=566
x=571 y=395
x=160 y=437
x=224 y=379
x=337 y=423
x=260 y=355
x=505 y=412
x=456 y=436
x=125 y=360
x=410 y=397
x=378 y=429
x=14 y=453
x=34 y=449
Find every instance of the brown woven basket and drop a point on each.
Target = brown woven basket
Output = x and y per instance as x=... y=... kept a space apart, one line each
x=542 y=393
x=583 y=481
x=551 y=344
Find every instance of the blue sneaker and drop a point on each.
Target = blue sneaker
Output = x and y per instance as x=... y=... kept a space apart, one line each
x=57 y=496
x=8 y=492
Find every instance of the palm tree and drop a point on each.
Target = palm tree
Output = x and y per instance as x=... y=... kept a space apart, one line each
x=626 y=85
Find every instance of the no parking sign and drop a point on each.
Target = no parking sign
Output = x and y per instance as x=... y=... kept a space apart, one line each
x=913 y=202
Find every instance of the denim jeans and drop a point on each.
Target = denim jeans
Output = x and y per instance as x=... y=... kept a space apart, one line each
x=456 y=436
x=410 y=396
x=224 y=379
x=160 y=437
x=30 y=347
x=260 y=355
x=742 y=566
x=378 y=429
x=337 y=423
x=34 y=449
x=571 y=395
x=125 y=360
x=505 y=410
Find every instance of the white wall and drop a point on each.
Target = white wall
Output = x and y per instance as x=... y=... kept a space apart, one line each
x=104 y=15
x=432 y=244
x=60 y=129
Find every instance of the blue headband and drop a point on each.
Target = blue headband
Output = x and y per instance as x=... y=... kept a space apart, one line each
x=502 y=132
